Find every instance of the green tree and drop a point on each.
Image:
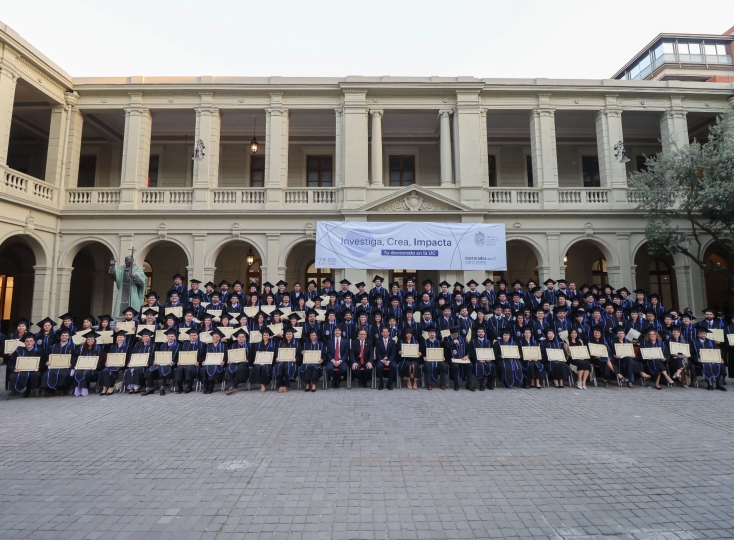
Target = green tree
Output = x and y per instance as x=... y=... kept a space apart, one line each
x=688 y=197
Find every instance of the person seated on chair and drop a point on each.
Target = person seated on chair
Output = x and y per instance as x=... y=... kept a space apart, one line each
x=311 y=373
x=27 y=380
x=361 y=358
x=408 y=367
x=109 y=374
x=509 y=369
x=712 y=372
x=214 y=373
x=437 y=371
x=188 y=373
x=58 y=379
x=656 y=366
x=603 y=363
x=558 y=370
x=262 y=373
x=484 y=370
x=385 y=354
x=237 y=372
x=82 y=377
x=458 y=350
x=627 y=365
x=134 y=376
x=533 y=368
x=337 y=357
x=285 y=372
x=163 y=372
x=681 y=362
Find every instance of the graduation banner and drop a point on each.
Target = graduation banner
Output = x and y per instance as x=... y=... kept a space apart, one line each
x=414 y=245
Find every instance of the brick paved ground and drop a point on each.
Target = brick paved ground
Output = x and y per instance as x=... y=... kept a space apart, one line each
x=358 y=463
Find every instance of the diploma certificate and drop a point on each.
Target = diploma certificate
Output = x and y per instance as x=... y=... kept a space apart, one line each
x=434 y=354
x=579 y=352
x=87 y=362
x=555 y=355
x=11 y=345
x=142 y=327
x=710 y=356
x=237 y=356
x=138 y=360
x=510 y=351
x=176 y=310
x=410 y=350
x=256 y=336
x=632 y=335
x=598 y=349
x=730 y=337
x=215 y=313
x=531 y=353
x=716 y=334
x=188 y=358
x=287 y=354
x=163 y=358
x=127 y=326
x=59 y=361
x=267 y=309
x=311 y=357
x=485 y=354
x=277 y=329
x=445 y=333
x=680 y=348
x=252 y=311
x=563 y=335
x=160 y=336
x=297 y=332
x=116 y=359
x=264 y=357
x=624 y=350
x=213 y=358
x=105 y=337
x=206 y=338
x=652 y=353
x=27 y=363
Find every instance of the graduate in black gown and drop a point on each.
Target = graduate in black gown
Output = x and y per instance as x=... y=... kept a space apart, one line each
x=656 y=366
x=285 y=372
x=558 y=370
x=109 y=374
x=534 y=369
x=83 y=376
x=458 y=350
x=509 y=369
x=162 y=372
x=134 y=376
x=188 y=373
x=436 y=371
x=311 y=373
x=409 y=367
x=484 y=370
x=712 y=372
x=54 y=380
x=24 y=381
x=262 y=373
x=237 y=372
x=214 y=373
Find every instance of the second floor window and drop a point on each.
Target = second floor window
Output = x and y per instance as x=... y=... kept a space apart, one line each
x=257 y=171
x=153 y=168
x=492 y=162
x=87 y=171
x=529 y=167
x=402 y=171
x=319 y=171
x=590 y=171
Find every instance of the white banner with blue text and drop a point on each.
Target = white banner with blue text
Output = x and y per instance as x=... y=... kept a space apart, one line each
x=411 y=245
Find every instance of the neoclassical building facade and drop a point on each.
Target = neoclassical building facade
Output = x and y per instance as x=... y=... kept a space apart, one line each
x=94 y=169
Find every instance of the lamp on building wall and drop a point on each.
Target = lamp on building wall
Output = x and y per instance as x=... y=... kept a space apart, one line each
x=250 y=256
x=199 y=151
x=565 y=259
x=620 y=153
x=253 y=142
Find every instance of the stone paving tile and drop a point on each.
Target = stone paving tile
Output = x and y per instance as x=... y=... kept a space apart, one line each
x=353 y=464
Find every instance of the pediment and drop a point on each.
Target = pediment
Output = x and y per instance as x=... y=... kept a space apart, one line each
x=414 y=199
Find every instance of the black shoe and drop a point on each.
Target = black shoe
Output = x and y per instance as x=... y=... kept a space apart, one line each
x=147 y=392
x=27 y=392
x=389 y=386
x=163 y=391
x=710 y=387
x=719 y=387
x=380 y=387
x=188 y=389
x=724 y=381
x=481 y=386
x=456 y=387
x=471 y=388
x=179 y=389
x=490 y=385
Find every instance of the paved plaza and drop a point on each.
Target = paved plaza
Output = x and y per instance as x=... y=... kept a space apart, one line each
x=562 y=464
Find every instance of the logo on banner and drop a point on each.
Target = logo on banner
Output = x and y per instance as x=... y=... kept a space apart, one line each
x=479 y=239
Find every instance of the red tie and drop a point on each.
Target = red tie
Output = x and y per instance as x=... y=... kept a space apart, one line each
x=336 y=356
x=361 y=352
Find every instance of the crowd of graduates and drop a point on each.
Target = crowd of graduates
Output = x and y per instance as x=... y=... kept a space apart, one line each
x=514 y=335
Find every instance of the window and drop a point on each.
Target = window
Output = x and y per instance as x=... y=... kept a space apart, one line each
x=318 y=171
x=257 y=171
x=641 y=162
x=401 y=276
x=254 y=273
x=87 y=171
x=529 y=167
x=148 y=270
x=153 y=168
x=492 y=171
x=661 y=281
x=599 y=272
x=590 y=171
x=689 y=51
x=318 y=274
x=716 y=53
x=402 y=171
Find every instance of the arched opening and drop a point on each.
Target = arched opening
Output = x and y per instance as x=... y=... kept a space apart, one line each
x=17 y=260
x=586 y=263
x=318 y=274
x=717 y=294
x=301 y=266
x=232 y=264
x=91 y=288
x=522 y=263
x=655 y=274
x=164 y=260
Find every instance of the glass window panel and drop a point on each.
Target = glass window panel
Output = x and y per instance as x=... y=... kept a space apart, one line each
x=408 y=176
x=313 y=177
x=394 y=176
x=658 y=51
x=313 y=162
x=326 y=179
x=407 y=162
x=645 y=61
x=668 y=47
x=394 y=162
x=326 y=163
x=710 y=50
x=683 y=48
x=721 y=50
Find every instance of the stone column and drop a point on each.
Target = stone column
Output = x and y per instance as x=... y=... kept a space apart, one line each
x=554 y=256
x=674 y=129
x=63 y=287
x=135 y=152
x=626 y=271
x=339 y=148
x=613 y=173
x=543 y=150
x=56 y=144
x=41 y=292
x=74 y=146
x=270 y=272
x=468 y=146
x=206 y=170
x=447 y=178
x=8 y=79
x=276 y=156
x=198 y=270
x=355 y=147
x=376 y=147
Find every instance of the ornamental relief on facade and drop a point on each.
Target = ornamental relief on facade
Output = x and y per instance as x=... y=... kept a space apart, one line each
x=413 y=202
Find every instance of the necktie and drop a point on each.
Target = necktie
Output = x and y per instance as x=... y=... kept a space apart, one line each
x=361 y=352
x=336 y=355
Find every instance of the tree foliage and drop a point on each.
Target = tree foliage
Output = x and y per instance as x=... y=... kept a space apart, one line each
x=688 y=197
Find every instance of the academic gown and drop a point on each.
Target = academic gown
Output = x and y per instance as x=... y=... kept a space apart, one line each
x=482 y=370
x=58 y=379
x=134 y=376
x=532 y=368
x=262 y=373
x=311 y=373
x=214 y=373
x=509 y=369
x=82 y=377
x=189 y=373
x=405 y=364
x=285 y=372
x=238 y=372
x=108 y=376
x=437 y=372
x=557 y=370
x=156 y=371
x=24 y=379
x=656 y=365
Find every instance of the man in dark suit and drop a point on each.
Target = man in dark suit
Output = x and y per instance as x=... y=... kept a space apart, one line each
x=385 y=358
x=361 y=357
x=337 y=357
